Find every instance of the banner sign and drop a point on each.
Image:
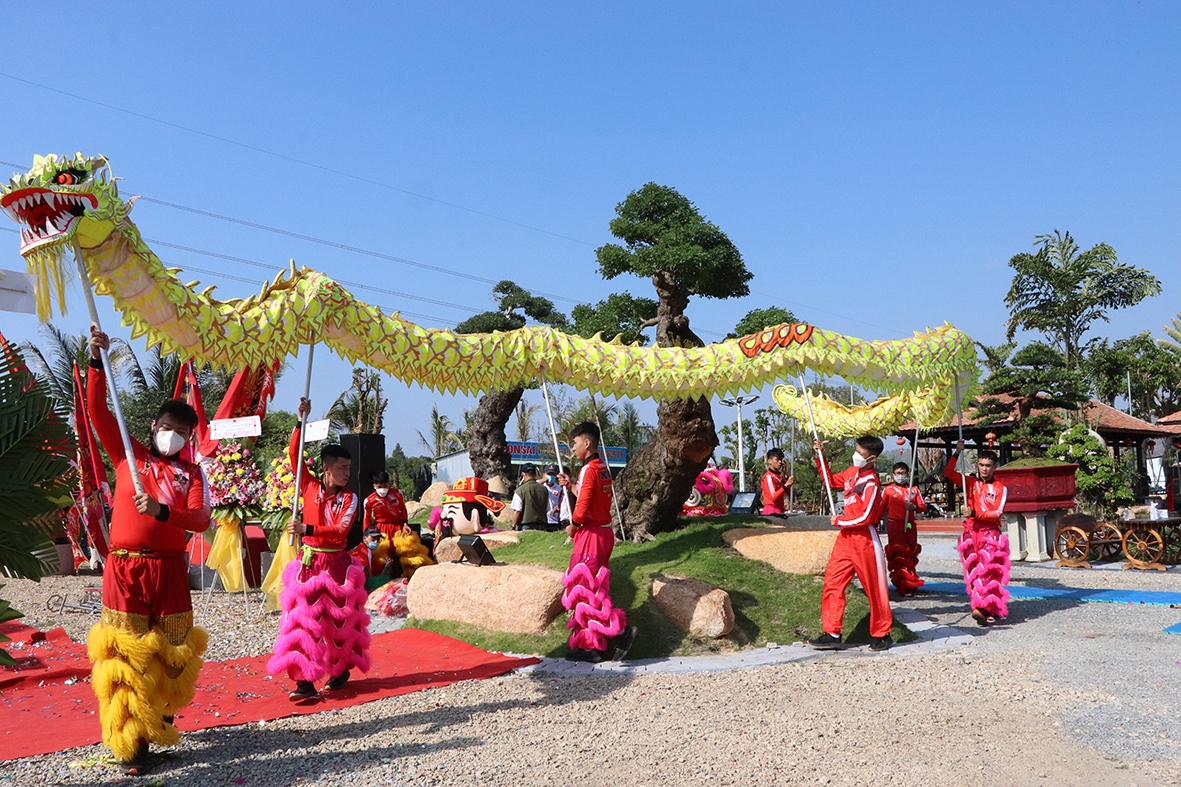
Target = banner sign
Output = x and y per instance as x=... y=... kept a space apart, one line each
x=524 y=452
x=226 y=428
x=17 y=292
x=316 y=430
x=614 y=456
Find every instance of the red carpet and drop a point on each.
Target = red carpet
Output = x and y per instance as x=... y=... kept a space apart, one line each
x=40 y=713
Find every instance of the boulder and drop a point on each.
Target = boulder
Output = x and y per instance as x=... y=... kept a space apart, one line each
x=789 y=550
x=414 y=508
x=433 y=496
x=694 y=606
x=448 y=549
x=511 y=597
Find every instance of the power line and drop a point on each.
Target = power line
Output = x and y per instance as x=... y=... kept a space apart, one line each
x=292 y=159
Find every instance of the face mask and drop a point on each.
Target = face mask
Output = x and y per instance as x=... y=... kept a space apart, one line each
x=900 y=480
x=168 y=442
x=553 y=479
x=373 y=544
x=382 y=492
x=859 y=461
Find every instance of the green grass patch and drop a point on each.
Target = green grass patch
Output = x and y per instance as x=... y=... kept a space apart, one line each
x=769 y=606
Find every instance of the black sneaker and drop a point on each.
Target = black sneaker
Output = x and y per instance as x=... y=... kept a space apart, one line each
x=623 y=642
x=581 y=654
x=881 y=643
x=827 y=641
x=304 y=690
x=337 y=683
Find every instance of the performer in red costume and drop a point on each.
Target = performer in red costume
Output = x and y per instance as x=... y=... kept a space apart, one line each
x=325 y=628
x=902 y=547
x=774 y=487
x=984 y=549
x=145 y=650
x=386 y=507
x=373 y=553
x=596 y=624
x=857 y=549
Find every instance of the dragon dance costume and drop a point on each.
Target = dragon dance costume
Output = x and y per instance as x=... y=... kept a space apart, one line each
x=856 y=551
x=145 y=650
x=594 y=619
x=325 y=628
x=983 y=548
x=902 y=546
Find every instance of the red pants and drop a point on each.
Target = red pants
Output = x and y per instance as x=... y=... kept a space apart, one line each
x=594 y=620
x=141 y=592
x=857 y=551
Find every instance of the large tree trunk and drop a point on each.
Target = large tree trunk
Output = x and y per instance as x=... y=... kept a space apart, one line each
x=658 y=479
x=486 y=444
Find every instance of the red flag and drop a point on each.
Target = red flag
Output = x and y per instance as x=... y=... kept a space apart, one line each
x=187 y=390
x=73 y=532
x=94 y=475
x=248 y=394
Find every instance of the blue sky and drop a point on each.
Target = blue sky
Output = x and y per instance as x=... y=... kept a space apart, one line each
x=876 y=164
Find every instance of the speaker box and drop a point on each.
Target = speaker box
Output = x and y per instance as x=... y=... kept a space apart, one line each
x=475 y=551
x=368 y=452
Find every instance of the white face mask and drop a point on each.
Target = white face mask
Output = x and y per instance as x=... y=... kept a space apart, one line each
x=168 y=442
x=900 y=480
x=382 y=492
x=859 y=460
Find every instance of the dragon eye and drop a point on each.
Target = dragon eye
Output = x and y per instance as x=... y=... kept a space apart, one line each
x=66 y=179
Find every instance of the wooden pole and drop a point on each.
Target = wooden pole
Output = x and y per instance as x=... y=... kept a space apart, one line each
x=303 y=428
x=553 y=430
x=960 y=419
x=614 y=499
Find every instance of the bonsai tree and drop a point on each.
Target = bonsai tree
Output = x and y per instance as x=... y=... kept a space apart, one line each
x=665 y=239
x=1101 y=487
x=487 y=444
x=1039 y=380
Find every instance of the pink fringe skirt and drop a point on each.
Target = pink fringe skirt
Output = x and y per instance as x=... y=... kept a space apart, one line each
x=594 y=619
x=324 y=628
x=985 y=555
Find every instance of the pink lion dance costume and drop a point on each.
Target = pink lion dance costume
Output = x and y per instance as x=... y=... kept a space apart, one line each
x=325 y=628
x=594 y=619
x=983 y=549
x=903 y=548
x=710 y=493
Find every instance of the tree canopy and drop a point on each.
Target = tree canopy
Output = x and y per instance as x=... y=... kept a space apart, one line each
x=619 y=314
x=1060 y=290
x=760 y=319
x=514 y=307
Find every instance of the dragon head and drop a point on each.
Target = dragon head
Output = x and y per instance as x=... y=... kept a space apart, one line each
x=48 y=200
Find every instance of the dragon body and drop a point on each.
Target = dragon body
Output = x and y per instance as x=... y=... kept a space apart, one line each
x=72 y=203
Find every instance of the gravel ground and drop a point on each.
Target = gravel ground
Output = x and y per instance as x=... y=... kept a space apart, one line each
x=1067 y=693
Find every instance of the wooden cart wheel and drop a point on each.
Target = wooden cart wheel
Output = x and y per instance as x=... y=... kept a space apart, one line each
x=1142 y=544
x=1071 y=543
x=1106 y=542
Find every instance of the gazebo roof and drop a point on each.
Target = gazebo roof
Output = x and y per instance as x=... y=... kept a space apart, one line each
x=1171 y=422
x=1108 y=422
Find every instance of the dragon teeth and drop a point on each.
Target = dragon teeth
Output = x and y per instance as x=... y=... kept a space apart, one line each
x=49 y=198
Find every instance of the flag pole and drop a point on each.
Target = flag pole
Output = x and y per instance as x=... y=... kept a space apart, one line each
x=553 y=430
x=791 y=490
x=113 y=391
x=832 y=506
x=297 y=470
x=914 y=461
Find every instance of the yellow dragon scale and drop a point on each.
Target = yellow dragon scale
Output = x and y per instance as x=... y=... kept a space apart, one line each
x=914 y=376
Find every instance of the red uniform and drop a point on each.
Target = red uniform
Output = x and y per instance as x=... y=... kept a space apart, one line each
x=372 y=560
x=146 y=653
x=983 y=548
x=146 y=582
x=593 y=618
x=328 y=517
x=903 y=548
x=387 y=513
x=774 y=493
x=857 y=551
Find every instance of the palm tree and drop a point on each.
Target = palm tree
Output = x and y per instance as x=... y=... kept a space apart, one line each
x=36 y=446
x=55 y=366
x=444 y=438
x=628 y=426
x=362 y=407
x=525 y=413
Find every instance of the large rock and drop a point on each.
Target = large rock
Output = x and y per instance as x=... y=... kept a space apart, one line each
x=789 y=550
x=694 y=606
x=448 y=549
x=510 y=597
x=414 y=508
x=433 y=496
